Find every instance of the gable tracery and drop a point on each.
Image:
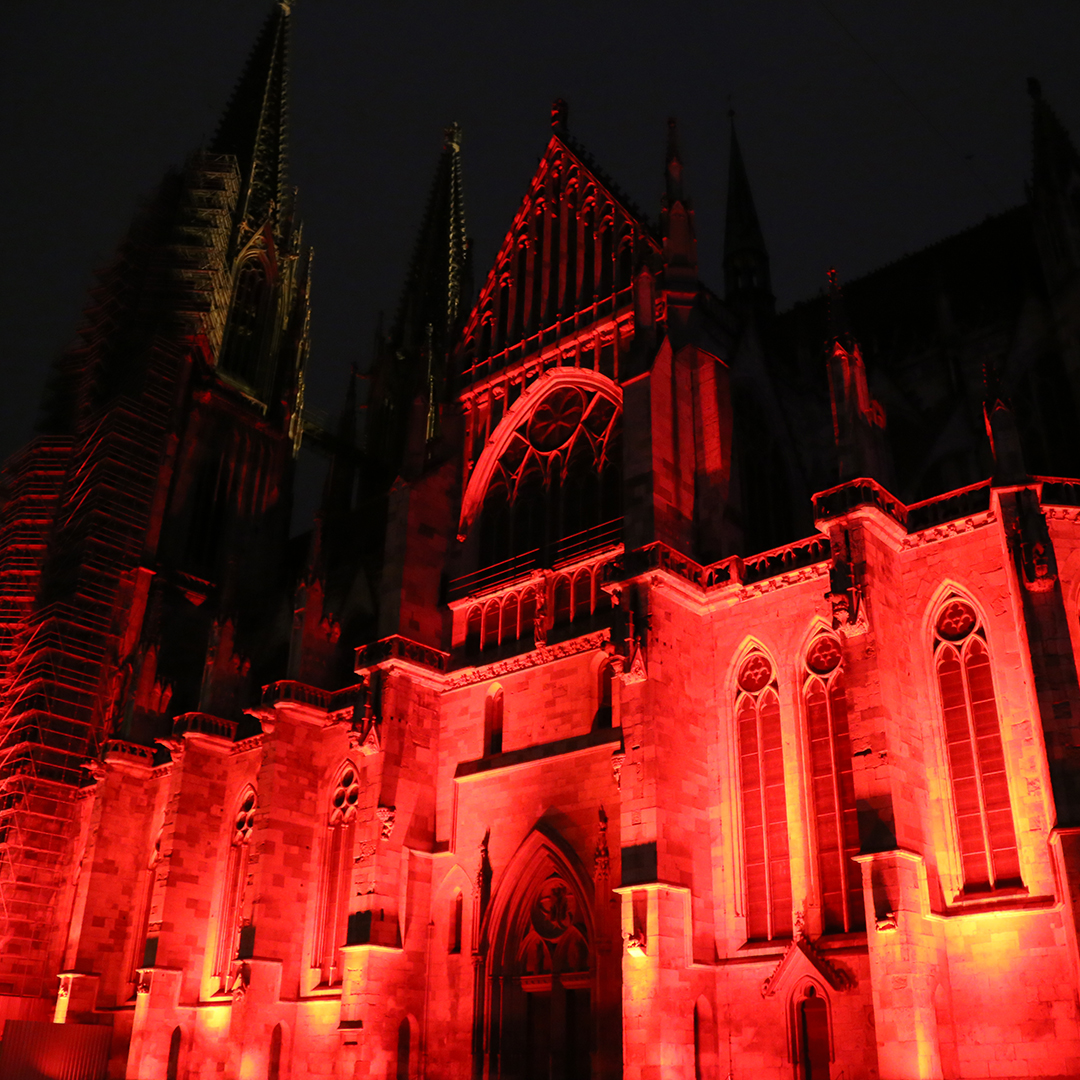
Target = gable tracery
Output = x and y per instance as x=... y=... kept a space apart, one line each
x=570 y=251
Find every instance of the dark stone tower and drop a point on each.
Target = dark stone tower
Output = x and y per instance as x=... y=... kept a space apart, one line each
x=144 y=523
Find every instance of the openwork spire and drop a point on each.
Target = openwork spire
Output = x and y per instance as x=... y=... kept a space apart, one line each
x=255 y=125
x=435 y=286
x=746 y=259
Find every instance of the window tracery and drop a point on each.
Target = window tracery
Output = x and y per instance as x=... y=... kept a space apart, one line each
x=764 y=806
x=333 y=916
x=832 y=787
x=236 y=879
x=557 y=477
x=982 y=809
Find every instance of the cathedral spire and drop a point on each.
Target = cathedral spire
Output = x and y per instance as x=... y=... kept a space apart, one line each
x=435 y=287
x=255 y=127
x=435 y=296
x=746 y=260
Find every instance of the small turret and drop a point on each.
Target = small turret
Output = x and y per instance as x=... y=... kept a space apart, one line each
x=858 y=420
x=680 y=280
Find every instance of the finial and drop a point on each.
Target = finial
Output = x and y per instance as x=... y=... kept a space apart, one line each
x=672 y=139
x=838 y=325
x=560 y=115
x=452 y=137
x=1034 y=88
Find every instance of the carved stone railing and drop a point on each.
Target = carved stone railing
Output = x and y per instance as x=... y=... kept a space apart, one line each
x=783 y=560
x=948 y=507
x=864 y=492
x=401 y=648
x=288 y=691
x=1057 y=491
x=119 y=752
x=197 y=723
x=658 y=556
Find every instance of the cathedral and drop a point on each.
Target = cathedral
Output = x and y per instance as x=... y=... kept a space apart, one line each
x=668 y=686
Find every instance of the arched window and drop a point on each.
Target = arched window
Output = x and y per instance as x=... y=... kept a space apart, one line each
x=273 y=1068
x=704 y=1041
x=243 y=351
x=764 y=806
x=335 y=886
x=404 y=1045
x=582 y=598
x=236 y=875
x=472 y=629
x=812 y=1035
x=457 y=911
x=493 y=721
x=561 y=595
x=557 y=476
x=832 y=788
x=980 y=786
x=142 y=924
x=509 y=626
x=491 y=625
x=172 y=1068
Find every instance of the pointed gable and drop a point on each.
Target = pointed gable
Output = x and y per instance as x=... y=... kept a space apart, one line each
x=566 y=263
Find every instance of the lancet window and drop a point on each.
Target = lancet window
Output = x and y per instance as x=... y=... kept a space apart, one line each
x=982 y=810
x=233 y=914
x=335 y=886
x=763 y=801
x=558 y=479
x=832 y=789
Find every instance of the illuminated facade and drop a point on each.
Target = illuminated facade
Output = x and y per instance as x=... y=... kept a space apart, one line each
x=617 y=718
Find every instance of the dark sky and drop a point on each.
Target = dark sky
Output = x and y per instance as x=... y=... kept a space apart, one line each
x=870 y=128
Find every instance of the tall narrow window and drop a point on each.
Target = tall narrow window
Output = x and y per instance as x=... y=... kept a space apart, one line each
x=980 y=787
x=832 y=788
x=493 y=721
x=764 y=805
x=812 y=1015
x=457 y=912
x=172 y=1067
x=333 y=917
x=273 y=1068
x=236 y=874
x=142 y=923
x=605 y=678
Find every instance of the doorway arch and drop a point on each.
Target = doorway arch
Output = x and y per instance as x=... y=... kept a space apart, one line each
x=539 y=971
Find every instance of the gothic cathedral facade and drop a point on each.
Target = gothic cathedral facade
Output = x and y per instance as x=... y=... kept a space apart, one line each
x=664 y=689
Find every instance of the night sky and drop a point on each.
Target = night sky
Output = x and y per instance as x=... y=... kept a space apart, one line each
x=870 y=129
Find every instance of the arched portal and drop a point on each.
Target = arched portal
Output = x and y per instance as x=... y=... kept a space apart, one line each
x=540 y=969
